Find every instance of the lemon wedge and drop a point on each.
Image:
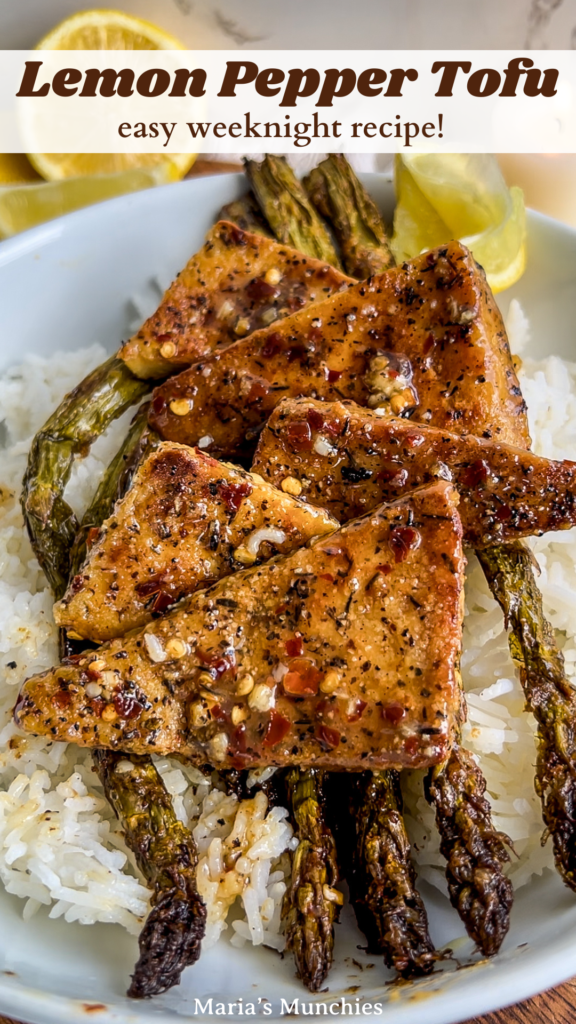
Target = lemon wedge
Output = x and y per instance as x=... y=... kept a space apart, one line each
x=24 y=206
x=457 y=195
x=108 y=30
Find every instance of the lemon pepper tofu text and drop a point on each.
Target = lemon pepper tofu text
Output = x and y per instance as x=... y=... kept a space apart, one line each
x=349 y=460
x=424 y=339
x=186 y=521
x=343 y=654
x=237 y=283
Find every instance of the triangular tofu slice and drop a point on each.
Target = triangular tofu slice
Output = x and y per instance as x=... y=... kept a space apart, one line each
x=186 y=521
x=237 y=283
x=343 y=654
x=348 y=460
x=426 y=336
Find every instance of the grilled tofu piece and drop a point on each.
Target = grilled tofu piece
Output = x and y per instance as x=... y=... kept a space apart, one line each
x=186 y=521
x=426 y=336
x=237 y=283
x=348 y=460
x=343 y=654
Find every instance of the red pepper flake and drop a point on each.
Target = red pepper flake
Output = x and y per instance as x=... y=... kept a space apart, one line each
x=411 y=745
x=303 y=678
x=163 y=337
x=326 y=576
x=73 y=659
x=158 y=404
x=278 y=728
x=299 y=436
x=414 y=440
x=233 y=494
x=476 y=473
x=237 y=742
x=319 y=423
x=385 y=569
x=333 y=375
x=218 y=663
x=315 y=419
x=162 y=602
x=295 y=646
x=315 y=334
x=62 y=699
x=328 y=737
x=503 y=513
x=97 y=705
x=281 y=609
x=393 y=713
x=259 y=290
x=76 y=584
x=258 y=391
x=148 y=587
x=403 y=540
x=273 y=345
x=127 y=705
x=92 y=536
x=218 y=713
x=358 y=710
x=393 y=472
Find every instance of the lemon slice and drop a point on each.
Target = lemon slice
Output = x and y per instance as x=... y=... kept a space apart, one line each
x=445 y=196
x=16 y=168
x=24 y=206
x=108 y=30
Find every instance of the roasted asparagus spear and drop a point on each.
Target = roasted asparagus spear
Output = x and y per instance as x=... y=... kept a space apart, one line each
x=475 y=852
x=80 y=418
x=139 y=441
x=288 y=210
x=353 y=215
x=166 y=854
x=382 y=878
x=246 y=213
x=165 y=849
x=311 y=902
x=549 y=696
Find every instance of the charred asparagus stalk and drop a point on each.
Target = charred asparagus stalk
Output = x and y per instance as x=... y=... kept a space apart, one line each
x=311 y=902
x=342 y=200
x=138 y=443
x=246 y=213
x=549 y=696
x=475 y=852
x=80 y=418
x=165 y=850
x=288 y=210
x=382 y=878
x=382 y=863
x=166 y=855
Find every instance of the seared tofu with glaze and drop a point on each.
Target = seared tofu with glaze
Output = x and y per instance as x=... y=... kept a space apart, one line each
x=424 y=339
x=237 y=283
x=186 y=521
x=343 y=654
x=348 y=460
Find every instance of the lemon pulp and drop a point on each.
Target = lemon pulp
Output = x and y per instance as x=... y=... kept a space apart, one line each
x=458 y=195
x=108 y=30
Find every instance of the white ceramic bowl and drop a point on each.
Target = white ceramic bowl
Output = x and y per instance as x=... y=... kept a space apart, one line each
x=68 y=284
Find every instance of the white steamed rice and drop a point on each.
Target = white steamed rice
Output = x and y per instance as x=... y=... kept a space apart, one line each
x=59 y=841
